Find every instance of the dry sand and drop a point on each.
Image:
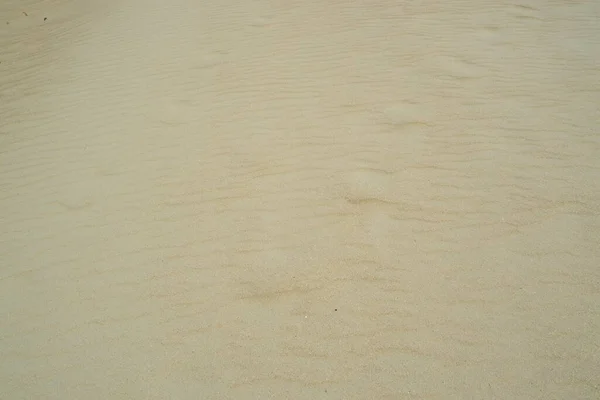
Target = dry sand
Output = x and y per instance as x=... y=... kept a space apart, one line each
x=299 y=200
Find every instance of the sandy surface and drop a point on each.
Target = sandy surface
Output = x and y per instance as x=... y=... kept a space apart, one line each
x=299 y=200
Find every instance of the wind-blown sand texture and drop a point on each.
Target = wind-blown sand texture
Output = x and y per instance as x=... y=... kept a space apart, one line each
x=299 y=200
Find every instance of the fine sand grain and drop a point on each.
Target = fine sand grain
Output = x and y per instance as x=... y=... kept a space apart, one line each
x=299 y=199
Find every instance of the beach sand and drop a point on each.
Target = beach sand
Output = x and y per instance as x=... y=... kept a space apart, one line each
x=299 y=200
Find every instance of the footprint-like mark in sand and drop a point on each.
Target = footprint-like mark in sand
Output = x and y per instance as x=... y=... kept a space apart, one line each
x=367 y=186
x=383 y=215
x=405 y=114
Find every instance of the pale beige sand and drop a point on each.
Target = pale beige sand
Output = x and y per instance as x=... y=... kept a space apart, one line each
x=300 y=200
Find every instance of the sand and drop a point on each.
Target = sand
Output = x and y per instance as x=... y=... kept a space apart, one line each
x=299 y=200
